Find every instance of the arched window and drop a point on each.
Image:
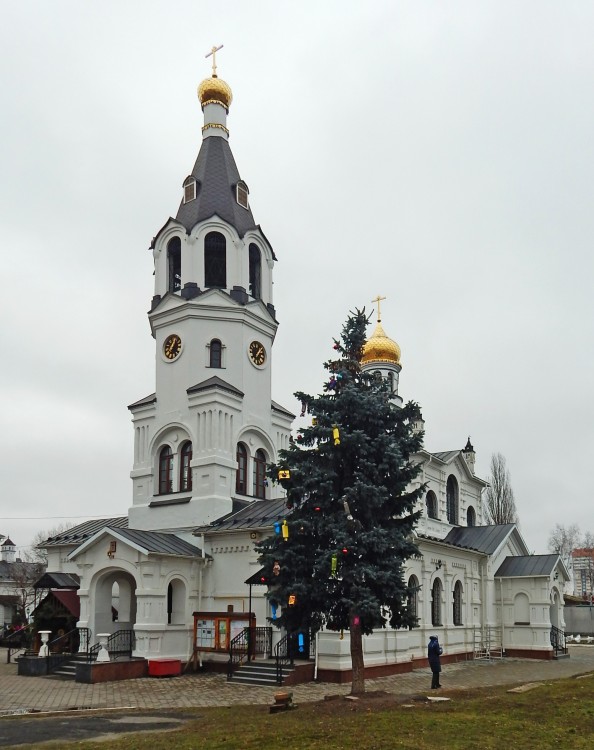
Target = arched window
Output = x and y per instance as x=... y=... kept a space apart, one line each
x=165 y=471
x=176 y=602
x=412 y=599
x=241 y=476
x=392 y=382
x=436 y=590
x=457 y=603
x=431 y=503
x=242 y=194
x=185 y=472
x=452 y=499
x=189 y=189
x=174 y=264
x=259 y=474
x=521 y=609
x=470 y=516
x=215 y=353
x=255 y=272
x=215 y=260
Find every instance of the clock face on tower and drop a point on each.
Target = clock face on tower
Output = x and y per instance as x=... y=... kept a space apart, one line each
x=257 y=353
x=172 y=346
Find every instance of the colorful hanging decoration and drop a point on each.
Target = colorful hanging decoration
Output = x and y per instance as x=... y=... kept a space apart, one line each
x=273 y=609
x=301 y=643
x=342 y=635
x=334 y=565
x=292 y=600
x=356 y=620
x=345 y=551
x=276 y=568
x=303 y=409
x=336 y=435
x=284 y=474
x=314 y=421
x=285 y=530
x=277 y=528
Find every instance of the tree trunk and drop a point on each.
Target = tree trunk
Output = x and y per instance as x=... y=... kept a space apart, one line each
x=358 y=685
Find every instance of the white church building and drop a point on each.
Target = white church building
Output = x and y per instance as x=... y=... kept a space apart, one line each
x=180 y=570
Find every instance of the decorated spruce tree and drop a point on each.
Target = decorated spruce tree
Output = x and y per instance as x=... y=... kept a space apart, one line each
x=337 y=560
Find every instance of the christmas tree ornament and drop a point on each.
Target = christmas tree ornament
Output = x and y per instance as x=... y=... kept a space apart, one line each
x=277 y=528
x=292 y=600
x=273 y=610
x=345 y=551
x=276 y=568
x=303 y=409
x=285 y=530
x=301 y=643
x=334 y=564
x=314 y=421
x=336 y=435
x=284 y=474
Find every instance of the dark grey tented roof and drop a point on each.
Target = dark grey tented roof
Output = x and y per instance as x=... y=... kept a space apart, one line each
x=527 y=565
x=78 y=534
x=257 y=515
x=482 y=538
x=159 y=542
x=217 y=177
x=215 y=382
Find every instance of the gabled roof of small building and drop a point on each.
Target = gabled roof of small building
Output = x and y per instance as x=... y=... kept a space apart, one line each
x=260 y=514
x=485 y=539
x=57 y=581
x=78 y=534
x=158 y=542
x=217 y=176
x=527 y=566
x=8 y=542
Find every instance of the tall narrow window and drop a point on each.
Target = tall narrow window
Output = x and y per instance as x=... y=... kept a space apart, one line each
x=452 y=499
x=242 y=194
x=165 y=471
x=470 y=516
x=436 y=602
x=431 y=503
x=185 y=471
x=174 y=264
x=412 y=599
x=259 y=474
x=215 y=260
x=216 y=352
x=241 y=477
x=457 y=603
x=255 y=272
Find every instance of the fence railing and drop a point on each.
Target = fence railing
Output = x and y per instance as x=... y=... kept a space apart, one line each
x=251 y=642
x=558 y=640
x=119 y=645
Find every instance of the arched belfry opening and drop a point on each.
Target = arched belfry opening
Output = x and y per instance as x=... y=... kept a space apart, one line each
x=255 y=272
x=174 y=264
x=215 y=260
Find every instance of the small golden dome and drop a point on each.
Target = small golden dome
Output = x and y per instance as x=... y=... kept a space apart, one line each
x=214 y=89
x=380 y=348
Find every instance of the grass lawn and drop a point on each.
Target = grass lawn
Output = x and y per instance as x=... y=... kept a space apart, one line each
x=559 y=714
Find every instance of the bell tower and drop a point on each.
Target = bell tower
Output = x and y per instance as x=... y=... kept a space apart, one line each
x=203 y=439
x=381 y=355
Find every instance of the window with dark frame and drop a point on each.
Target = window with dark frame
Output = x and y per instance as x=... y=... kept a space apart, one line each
x=436 y=603
x=470 y=516
x=255 y=271
x=242 y=195
x=431 y=504
x=259 y=489
x=215 y=260
x=185 y=471
x=241 y=476
x=216 y=354
x=412 y=599
x=457 y=603
x=452 y=499
x=165 y=471
x=174 y=264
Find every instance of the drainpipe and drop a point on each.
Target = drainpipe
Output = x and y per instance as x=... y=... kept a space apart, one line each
x=317 y=652
x=502 y=618
x=202 y=543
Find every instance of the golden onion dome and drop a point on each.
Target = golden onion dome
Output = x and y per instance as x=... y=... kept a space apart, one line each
x=380 y=348
x=214 y=89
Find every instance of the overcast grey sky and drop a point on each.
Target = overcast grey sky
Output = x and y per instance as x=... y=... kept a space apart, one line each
x=438 y=153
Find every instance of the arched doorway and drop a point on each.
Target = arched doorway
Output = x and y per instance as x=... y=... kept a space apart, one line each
x=115 y=603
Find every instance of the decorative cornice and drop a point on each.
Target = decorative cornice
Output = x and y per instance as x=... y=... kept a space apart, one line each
x=215 y=125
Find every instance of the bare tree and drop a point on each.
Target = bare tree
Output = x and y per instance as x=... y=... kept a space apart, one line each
x=563 y=540
x=500 y=499
x=24 y=575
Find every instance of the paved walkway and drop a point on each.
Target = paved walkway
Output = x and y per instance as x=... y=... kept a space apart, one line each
x=24 y=694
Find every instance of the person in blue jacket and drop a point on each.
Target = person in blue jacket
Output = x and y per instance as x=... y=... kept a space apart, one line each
x=434 y=651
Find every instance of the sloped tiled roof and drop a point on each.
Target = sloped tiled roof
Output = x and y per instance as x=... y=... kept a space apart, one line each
x=217 y=176
x=77 y=534
x=445 y=456
x=257 y=515
x=150 y=399
x=158 y=542
x=481 y=538
x=527 y=565
x=58 y=581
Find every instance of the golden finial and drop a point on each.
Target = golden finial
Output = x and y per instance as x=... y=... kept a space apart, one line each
x=378 y=299
x=213 y=52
